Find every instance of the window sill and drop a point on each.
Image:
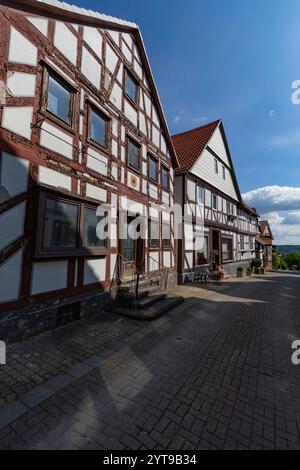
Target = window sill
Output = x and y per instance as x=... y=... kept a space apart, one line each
x=56 y=120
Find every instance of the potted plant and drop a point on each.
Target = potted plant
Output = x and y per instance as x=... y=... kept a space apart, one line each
x=248 y=271
x=256 y=264
x=240 y=271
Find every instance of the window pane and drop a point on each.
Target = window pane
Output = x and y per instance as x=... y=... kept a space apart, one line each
x=165 y=177
x=131 y=87
x=227 y=249
x=214 y=201
x=133 y=154
x=98 y=128
x=90 y=237
x=59 y=100
x=154 y=233
x=216 y=166
x=199 y=195
x=153 y=169
x=166 y=236
x=60 y=223
x=202 y=255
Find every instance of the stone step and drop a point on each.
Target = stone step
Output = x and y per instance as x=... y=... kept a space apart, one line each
x=143 y=291
x=154 y=310
x=148 y=300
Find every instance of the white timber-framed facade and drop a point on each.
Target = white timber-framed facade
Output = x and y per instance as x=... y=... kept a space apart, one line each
x=206 y=182
x=81 y=124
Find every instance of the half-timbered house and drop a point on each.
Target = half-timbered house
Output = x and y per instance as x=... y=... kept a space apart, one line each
x=81 y=125
x=264 y=244
x=207 y=188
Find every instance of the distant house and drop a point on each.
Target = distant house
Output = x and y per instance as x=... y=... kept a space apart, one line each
x=206 y=185
x=264 y=243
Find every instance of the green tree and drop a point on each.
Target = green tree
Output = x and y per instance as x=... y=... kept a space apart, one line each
x=276 y=260
x=293 y=260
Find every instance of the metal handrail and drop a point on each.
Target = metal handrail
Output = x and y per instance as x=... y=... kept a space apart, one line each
x=118 y=272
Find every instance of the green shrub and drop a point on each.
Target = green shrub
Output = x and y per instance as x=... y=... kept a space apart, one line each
x=276 y=260
x=256 y=263
x=240 y=269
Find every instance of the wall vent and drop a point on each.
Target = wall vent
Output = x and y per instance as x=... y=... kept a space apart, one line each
x=68 y=314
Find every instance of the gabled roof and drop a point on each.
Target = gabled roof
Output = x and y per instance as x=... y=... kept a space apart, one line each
x=252 y=210
x=263 y=224
x=70 y=13
x=189 y=146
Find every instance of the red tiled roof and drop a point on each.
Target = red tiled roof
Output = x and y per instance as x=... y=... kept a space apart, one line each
x=250 y=209
x=263 y=224
x=190 y=144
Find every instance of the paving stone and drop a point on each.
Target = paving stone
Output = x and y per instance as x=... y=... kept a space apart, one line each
x=36 y=396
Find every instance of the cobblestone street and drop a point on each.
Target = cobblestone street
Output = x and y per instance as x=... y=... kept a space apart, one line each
x=214 y=373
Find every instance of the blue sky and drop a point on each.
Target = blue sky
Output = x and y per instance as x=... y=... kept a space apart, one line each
x=234 y=60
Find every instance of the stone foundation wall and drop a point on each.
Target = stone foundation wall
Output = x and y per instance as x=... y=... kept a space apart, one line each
x=21 y=324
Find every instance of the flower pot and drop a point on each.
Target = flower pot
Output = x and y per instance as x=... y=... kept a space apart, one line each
x=239 y=273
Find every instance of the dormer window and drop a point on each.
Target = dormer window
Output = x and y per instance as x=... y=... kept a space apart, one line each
x=131 y=87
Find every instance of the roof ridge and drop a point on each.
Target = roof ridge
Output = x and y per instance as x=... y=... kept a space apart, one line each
x=217 y=121
x=86 y=12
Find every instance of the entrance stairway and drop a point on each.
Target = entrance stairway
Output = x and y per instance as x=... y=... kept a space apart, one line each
x=142 y=297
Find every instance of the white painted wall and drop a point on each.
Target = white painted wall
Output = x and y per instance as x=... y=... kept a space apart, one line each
x=49 y=276
x=94 y=270
x=40 y=23
x=18 y=119
x=94 y=39
x=54 y=178
x=56 y=140
x=204 y=168
x=96 y=193
x=21 y=84
x=91 y=68
x=65 y=41
x=96 y=161
x=21 y=50
x=216 y=143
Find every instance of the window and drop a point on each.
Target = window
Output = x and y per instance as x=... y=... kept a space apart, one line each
x=131 y=87
x=214 y=202
x=251 y=242
x=216 y=166
x=202 y=254
x=153 y=167
x=68 y=226
x=165 y=177
x=133 y=150
x=166 y=236
x=91 y=220
x=59 y=99
x=227 y=252
x=242 y=242
x=224 y=172
x=60 y=222
x=228 y=208
x=98 y=127
x=154 y=233
x=200 y=195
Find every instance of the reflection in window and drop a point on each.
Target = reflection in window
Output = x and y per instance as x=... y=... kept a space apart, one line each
x=153 y=168
x=131 y=87
x=59 y=100
x=165 y=177
x=200 y=195
x=60 y=222
x=133 y=154
x=227 y=252
x=154 y=233
x=166 y=236
x=90 y=237
x=98 y=128
x=202 y=254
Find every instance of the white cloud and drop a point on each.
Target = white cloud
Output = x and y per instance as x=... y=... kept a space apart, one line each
x=176 y=119
x=272 y=113
x=200 y=119
x=281 y=206
x=285 y=140
x=274 y=198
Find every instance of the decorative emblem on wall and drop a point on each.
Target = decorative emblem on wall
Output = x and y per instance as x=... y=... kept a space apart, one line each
x=134 y=181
